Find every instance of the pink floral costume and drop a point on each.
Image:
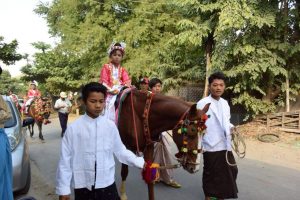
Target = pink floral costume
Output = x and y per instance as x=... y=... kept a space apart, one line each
x=113 y=78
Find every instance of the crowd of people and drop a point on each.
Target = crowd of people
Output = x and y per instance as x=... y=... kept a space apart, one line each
x=86 y=161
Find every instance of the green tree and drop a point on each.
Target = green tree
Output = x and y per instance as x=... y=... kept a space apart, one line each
x=246 y=40
x=87 y=28
x=8 y=83
x=56 y=70
x=260 y=57
x=8 y=52
x=256 y=43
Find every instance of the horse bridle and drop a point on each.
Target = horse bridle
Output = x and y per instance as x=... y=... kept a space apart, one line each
x=185 y=129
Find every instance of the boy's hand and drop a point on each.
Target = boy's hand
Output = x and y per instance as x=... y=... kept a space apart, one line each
x=64 y=197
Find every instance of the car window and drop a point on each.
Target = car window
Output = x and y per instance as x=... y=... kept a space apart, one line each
x=13 y=120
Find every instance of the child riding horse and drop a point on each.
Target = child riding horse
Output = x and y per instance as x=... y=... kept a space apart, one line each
x=39 y=110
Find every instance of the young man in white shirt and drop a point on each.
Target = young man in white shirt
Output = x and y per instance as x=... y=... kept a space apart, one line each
x=63 y=105
x=219 y=178
x=87 y=152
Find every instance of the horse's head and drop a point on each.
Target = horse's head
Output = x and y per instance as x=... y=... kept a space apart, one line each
x=186 y=136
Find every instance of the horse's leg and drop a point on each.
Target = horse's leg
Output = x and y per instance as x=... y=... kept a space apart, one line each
x=124 y=174
x=40 y=130
x=30 y=128
x=149 y=156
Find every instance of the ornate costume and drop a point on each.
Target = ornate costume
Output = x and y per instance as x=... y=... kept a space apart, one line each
x=113 y=78
x=33 y=93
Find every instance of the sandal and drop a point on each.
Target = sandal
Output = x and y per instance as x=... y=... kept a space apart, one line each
x=173 y=184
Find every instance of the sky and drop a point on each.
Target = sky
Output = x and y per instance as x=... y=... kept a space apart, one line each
x=18 y=21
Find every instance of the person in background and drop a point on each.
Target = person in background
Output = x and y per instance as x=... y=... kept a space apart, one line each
x=144 y=84
x=63 y=106
x=88 y=149
x=219 y=178
x=14 y=98
x=162 y=149
x=6 y=176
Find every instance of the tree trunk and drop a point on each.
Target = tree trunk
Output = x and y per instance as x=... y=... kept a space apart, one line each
x=208 y=54
x=287 y=82
x=287 y=93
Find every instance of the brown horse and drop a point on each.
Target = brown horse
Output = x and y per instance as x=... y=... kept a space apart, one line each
x=144 y=116
x=39 y=110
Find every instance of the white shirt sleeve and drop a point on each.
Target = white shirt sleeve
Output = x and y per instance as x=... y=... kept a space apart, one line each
x=64 y=171
x=56 y=104
x=124 y=155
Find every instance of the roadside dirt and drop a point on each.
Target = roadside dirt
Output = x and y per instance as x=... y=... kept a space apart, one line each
x=285 y=152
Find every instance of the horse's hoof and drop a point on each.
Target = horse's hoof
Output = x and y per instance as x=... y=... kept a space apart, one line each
x=124 y=197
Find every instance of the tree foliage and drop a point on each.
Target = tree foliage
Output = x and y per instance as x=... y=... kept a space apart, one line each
x=8 y=52
x=8 y=83
x=256 y=43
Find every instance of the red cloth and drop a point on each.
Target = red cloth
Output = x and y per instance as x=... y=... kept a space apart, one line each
x=33 y=93
x=106 y=75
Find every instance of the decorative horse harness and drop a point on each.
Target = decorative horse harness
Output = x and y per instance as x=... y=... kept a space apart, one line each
x=188 y=128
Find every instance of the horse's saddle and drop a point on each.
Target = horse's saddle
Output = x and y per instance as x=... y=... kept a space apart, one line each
x=120 y=99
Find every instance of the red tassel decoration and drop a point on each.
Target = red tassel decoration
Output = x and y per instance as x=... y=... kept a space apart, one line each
x=150 y=172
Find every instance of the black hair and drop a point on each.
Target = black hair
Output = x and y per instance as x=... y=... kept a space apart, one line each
x=0 y=70
x=153 y=82
x=216 y=75
x=93 y=87
x=113 y=51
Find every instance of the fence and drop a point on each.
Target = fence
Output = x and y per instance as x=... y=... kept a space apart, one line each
x=285 y=121
x=192 y=93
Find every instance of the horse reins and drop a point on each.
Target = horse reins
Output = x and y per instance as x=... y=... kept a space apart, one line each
x=134 y=123
x=146 y=118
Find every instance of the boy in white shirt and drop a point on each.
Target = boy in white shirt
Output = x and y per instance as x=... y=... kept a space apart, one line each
x=87 y=152
x=219 y=178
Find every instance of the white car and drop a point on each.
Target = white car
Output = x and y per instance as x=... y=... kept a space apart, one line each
x=14 y=128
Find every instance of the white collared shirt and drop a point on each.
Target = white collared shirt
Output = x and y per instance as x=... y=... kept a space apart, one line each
x=217 y=136
x=86 y=142
x=219 y=111
x=66 y=103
